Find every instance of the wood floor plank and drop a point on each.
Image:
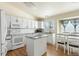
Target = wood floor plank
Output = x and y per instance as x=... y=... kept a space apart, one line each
x=51 y=51
x=17 y=52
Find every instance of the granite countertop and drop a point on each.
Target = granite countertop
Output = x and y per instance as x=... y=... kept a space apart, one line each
x=36 y=35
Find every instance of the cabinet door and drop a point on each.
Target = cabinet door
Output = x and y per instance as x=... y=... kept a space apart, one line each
x=9 y=45
x=40 y=46
x=14 y=22
x=4 y=50
x=30 y=46
x=17 y=39
x=20 y=21
x=24 y=23
x=8 y=18
x=50 y=39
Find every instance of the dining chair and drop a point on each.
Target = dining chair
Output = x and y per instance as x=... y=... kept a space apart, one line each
x=73 y=44
x=61 y=41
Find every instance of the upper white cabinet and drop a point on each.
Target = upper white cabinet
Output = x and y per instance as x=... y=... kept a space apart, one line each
x=8 y=18
x=14 y=22
x=31 y=24
x=25 y=25
x=17 y=22
x=20 y=22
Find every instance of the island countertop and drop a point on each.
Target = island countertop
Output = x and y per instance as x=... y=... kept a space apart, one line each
x=36 y=35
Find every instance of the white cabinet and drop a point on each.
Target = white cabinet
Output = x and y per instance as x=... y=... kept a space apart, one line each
x=40 y=46
x=14 y=22
x=20 y=21
x=17 y=41
x=36 y=47
x=51 y=38
x=4 y=49
x=9 y=45
x=8 y=18
x=3 y=32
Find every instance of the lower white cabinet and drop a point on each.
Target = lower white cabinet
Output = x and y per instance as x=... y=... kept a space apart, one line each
x=36 y=47
x=4 y=49
x=40 y=46
x=51 y=39
x=17 y=41
x=9 y=45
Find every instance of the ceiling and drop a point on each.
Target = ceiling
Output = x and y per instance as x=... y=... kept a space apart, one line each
x=43 y=9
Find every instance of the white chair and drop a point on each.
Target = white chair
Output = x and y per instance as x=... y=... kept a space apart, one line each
x=61 y=40
x=73 y=44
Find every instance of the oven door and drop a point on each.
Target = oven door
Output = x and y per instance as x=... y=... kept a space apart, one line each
x=17 y=40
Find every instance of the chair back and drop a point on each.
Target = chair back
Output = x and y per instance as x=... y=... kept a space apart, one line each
x=60 y=38
x=74 y=40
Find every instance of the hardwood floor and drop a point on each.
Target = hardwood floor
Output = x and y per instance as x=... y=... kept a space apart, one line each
x=17 y=52
x=51 y=51
x=20 y=52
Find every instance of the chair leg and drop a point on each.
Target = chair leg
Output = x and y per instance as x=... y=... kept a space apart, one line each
x=78 y=52
x=56 y=46
x=64 y=49
x=71 y=50
x=68 y=50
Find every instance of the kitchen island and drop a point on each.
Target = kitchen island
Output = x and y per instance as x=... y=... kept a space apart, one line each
x=36 y=44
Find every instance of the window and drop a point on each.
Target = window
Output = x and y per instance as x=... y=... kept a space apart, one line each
x=49 y=24
x=71 y=26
